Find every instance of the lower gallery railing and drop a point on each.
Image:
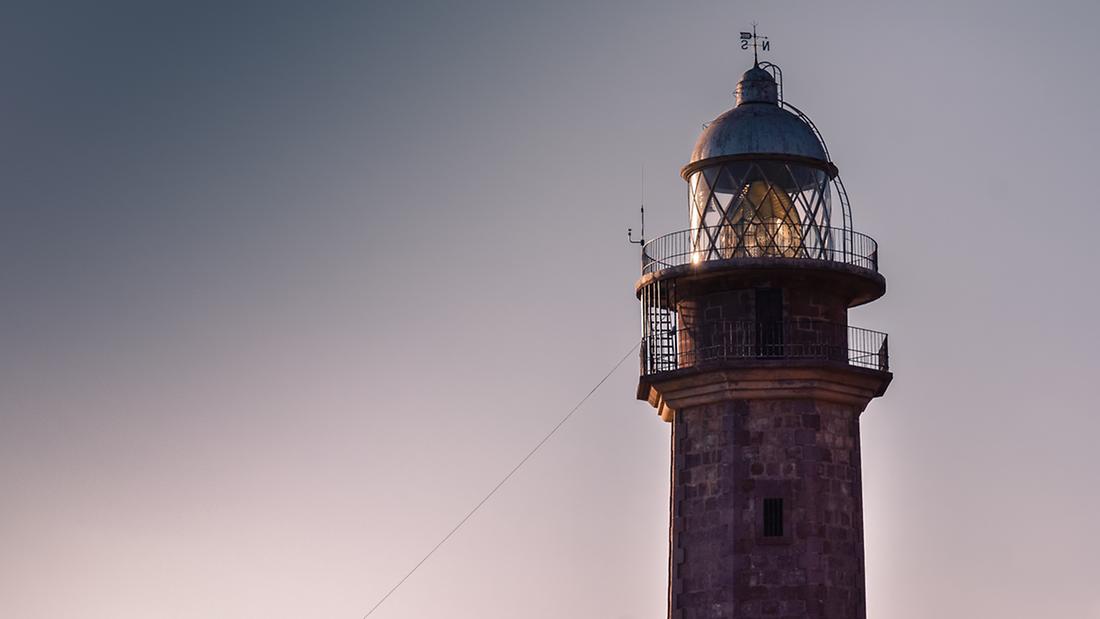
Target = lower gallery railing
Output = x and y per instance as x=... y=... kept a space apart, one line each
x=715 y=341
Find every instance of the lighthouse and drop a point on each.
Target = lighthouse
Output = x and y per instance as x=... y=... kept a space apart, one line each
x=748 y=353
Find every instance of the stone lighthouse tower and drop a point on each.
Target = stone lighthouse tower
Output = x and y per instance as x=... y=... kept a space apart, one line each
x=748 y=353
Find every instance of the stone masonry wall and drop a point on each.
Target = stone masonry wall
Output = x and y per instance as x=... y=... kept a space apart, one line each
x=729 y=457
x=720 y=325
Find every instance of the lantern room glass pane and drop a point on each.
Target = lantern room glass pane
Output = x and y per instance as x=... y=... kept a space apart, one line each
x=759 y=209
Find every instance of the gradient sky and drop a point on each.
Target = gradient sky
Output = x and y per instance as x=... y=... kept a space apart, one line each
x=287 y=288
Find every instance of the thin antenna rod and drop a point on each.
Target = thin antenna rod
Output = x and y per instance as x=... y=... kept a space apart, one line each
x=630 y=231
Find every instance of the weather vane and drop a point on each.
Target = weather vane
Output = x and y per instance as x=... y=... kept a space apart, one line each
x=758 y=43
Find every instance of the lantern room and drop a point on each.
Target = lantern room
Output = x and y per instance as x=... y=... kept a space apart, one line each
x=759 y=181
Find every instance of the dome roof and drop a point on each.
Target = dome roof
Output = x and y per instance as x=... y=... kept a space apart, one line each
x=757 y=125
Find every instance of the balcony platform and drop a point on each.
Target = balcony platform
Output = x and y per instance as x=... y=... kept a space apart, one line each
x=761 y=379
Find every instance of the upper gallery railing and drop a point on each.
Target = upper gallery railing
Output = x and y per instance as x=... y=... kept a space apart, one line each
x=745 y=241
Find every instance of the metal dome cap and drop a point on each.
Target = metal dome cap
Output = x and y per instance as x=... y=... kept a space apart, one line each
x=757 y=125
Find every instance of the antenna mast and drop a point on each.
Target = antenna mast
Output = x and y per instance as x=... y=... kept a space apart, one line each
x=630 y=231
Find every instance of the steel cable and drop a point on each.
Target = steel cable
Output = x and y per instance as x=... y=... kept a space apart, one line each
x=502 y=481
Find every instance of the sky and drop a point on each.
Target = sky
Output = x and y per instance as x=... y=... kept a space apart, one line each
x=289 y=287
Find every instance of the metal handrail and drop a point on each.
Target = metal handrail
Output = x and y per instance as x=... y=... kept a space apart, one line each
x=716 y=341
x=842 y=193
x=835 y=245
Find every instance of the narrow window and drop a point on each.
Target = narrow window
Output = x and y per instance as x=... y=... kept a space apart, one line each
x=773 y=517
x=769 y=322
